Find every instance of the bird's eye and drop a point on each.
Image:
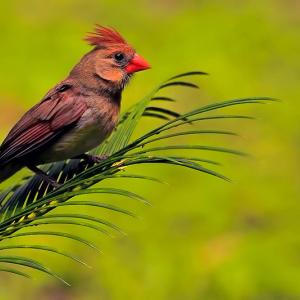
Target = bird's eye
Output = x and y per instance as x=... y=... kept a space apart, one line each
x=119 y=57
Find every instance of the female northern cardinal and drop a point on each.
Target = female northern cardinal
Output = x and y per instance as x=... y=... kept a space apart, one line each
x=78 y=113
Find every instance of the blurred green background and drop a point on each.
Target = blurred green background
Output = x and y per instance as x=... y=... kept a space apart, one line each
x=202 y=238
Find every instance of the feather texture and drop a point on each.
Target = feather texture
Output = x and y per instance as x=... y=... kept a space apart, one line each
x=41 y=125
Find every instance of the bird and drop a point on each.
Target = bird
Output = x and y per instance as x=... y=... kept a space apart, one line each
x=77 y=114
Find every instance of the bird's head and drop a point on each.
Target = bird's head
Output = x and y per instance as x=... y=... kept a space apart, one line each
x=114 y=60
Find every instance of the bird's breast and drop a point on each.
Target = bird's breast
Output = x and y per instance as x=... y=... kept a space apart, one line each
x=92 y=129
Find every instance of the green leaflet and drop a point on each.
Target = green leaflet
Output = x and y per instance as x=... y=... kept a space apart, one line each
x=13 y=271
x=55 y=233
x=44 y=248
x=23 y=261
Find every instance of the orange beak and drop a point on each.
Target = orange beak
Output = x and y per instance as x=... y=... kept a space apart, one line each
x=136 y=64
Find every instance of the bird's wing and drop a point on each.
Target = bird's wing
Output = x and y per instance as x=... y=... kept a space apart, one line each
x=57 y=113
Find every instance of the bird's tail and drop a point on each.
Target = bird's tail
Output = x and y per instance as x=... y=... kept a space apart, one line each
x=8 y=170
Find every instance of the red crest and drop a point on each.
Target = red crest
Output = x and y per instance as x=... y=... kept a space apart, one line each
x=104 y=36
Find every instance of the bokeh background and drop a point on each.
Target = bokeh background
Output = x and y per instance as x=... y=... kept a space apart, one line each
x=202 y=238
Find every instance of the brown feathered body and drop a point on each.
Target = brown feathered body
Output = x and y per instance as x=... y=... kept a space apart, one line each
x=78 y=113
x=98 y=119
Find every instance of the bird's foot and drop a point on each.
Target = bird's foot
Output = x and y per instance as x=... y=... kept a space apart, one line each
x=97 y=158
x=44 y=176
x=51 y=181
x=92 y=158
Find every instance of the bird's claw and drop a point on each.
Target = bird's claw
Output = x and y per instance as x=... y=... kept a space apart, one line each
x=93 y=159
x=99 y=158
x=54 y=183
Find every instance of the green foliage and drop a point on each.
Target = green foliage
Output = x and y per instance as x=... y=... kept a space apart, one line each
x=31 y=203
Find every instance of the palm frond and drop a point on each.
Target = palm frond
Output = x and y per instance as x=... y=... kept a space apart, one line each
x=31 y=202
